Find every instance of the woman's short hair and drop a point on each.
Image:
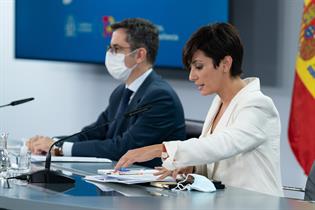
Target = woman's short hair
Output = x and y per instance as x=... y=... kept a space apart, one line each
x=216 y=41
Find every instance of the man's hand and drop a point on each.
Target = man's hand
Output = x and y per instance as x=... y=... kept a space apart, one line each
x=139 y=155
x=39 y=144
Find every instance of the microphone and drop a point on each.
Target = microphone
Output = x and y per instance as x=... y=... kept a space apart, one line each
x=49 y=177
x=14 y=103
x=139 y=110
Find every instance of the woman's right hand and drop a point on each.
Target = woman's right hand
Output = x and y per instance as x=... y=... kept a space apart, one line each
x=139 y=155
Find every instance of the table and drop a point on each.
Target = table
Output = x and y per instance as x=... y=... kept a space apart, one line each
x=83 y=196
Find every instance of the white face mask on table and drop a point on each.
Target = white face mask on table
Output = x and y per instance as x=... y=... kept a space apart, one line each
x=115 y=64
x=200 y=183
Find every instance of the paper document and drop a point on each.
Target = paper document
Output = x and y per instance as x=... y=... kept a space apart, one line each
x=132 y=177
x=41 y=158
x=134 y=171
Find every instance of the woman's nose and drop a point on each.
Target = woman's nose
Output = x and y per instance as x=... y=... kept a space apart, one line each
x=192 y=75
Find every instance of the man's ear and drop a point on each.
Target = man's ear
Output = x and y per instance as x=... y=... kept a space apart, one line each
x=227 y=63
x=141 y=54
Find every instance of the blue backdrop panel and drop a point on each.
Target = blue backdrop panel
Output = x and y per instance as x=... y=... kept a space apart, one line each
x=77 y=30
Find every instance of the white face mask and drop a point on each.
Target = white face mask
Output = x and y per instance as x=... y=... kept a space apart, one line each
x=200 y=183
x=115 y=64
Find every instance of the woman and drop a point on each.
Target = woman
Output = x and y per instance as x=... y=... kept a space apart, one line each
x=240 y=141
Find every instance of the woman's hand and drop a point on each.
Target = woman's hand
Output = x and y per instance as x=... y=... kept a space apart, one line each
x=139 y=155
x=163 y=172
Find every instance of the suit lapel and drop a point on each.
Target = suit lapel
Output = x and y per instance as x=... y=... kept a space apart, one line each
x=223 y=122
x=226 y=116
x=210 y=116
x=135 y=101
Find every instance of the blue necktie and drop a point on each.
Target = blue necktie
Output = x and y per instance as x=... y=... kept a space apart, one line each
x=120 y=112
x=124 y=102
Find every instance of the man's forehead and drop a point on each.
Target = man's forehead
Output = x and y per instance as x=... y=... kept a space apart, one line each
x=119 y=37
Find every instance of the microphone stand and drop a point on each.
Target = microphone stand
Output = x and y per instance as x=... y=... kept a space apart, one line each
x=53 y=177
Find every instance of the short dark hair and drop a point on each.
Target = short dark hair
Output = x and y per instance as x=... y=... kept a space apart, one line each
x=141 y=33
x=216 y=41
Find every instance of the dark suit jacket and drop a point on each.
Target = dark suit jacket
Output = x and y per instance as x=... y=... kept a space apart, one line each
x=164 y=121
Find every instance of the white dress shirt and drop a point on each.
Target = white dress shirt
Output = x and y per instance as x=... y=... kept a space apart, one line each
x=244 y=148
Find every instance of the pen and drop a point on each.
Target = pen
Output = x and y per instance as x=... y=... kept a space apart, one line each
x=124 y=171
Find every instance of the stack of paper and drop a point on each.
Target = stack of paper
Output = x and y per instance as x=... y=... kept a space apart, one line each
x=128 y=177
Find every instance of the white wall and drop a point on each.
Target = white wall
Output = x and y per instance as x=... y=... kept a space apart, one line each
x=71 y=95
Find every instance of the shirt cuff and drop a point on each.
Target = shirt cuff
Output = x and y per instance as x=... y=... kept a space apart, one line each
x=67 y=148
x=55 y=138
x=171 y=148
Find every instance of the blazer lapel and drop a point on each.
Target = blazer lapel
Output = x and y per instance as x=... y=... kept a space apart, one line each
x=226 y=116
x=210 y=116
x=252 y=85
x=136 y=100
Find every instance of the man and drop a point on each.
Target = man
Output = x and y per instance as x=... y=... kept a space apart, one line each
x=129 y=58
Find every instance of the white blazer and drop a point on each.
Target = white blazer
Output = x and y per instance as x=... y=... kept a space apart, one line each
x=244 y=148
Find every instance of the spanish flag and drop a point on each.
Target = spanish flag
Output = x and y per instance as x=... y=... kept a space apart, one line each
x=302 y=116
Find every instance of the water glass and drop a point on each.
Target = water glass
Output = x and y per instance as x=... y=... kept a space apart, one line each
x=20 y=162
x=4 y=155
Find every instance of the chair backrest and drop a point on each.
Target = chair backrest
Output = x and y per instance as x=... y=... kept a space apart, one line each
x=193 y=128
x=310 y=185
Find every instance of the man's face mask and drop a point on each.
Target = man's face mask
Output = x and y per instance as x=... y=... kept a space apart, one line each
x=199 y=183
x=115 y=64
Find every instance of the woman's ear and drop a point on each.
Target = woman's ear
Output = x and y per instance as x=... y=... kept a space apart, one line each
x=227 y=63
